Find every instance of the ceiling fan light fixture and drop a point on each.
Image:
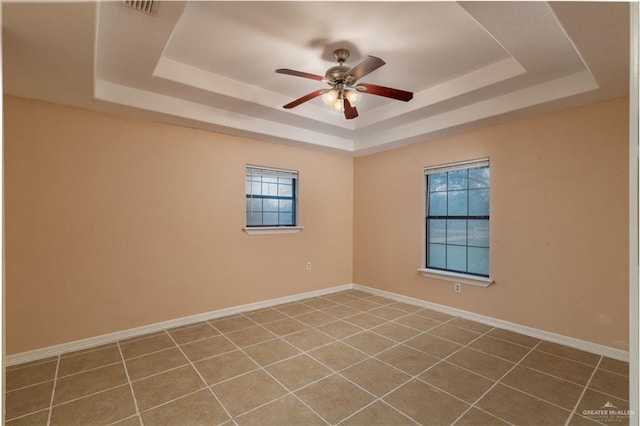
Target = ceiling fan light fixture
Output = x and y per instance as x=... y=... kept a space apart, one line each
x=353 y=97
x=338 y=105
x=330 y=97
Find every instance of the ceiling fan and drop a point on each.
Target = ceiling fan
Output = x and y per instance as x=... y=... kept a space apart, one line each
x=344 y=89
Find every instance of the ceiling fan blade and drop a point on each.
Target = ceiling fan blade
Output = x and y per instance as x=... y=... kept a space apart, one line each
x=350 y=111
x=387 y=92
x=299 y=74
x=370 y=64
x=306 y=98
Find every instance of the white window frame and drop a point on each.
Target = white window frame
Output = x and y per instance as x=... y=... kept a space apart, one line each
x=439 y=274
x=279 y=229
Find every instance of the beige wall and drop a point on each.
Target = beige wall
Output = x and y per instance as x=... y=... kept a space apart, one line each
x=559 y=201
x=114 y=223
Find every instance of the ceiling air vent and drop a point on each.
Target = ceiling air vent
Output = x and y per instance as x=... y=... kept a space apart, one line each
x=145 y=6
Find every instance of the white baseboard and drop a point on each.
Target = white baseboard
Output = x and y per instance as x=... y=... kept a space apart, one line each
x=55 y=350
x=584 y=345
x=90 y=342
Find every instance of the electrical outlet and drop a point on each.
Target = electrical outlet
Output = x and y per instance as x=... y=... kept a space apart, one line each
x=457 y=288
x=308 y=266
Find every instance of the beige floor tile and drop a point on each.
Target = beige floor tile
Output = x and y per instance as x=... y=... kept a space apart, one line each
x=375 y=376
x=129 y=421
x=549 y=388
x=337 y=355
x=363 y=305
x=207 y=348
x=418 y=322
x=470 y=325
x=378 y=414
x=405 y=307
x=521 y=409
x=570 y=353
x=31 y=375
x=250 y=336
x=339 y=329
x=200 y=408
x=232 y=323
x=88 y=382
x=315 y=318
x=285 y=326
x=433 y=345
x=480 y=363
x=247 y=392
x=455 y=334
x=28 y=400
x=380 y=300
x=369 y=342
x=559 y=367
x=287 y=410
x=425 y=404
x=319 y=302
x=596 y=406
x=192 y=333
x=435 y=315
x=155 y=390
x=263 y=316
x=41 y=418
x=105 y=346
x=138 y=347
x=517 y=338
x=226 y=366
x=476 y=417
x=395 y=331
x=615 y=366
x=334 y=398
x=297 y=372
x=308 y=339
x=358 y=293
x=500 y=348
x=294 y=309
x=578 y=420
x=102 y=408
x=340 y=311
x=270 y=352
x=611 y=384
x=342 y=297
x=387 y=312
x=365 y=320
x=407 y=359
x=30 y=363
x=88 y=360
x=457 y=381
x=153 y=363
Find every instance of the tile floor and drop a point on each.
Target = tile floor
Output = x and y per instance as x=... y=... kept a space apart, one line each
x=349 y=358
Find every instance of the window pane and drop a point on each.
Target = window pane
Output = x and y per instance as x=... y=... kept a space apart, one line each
x=269 y=189
x=457 y=232
x=254 y=219
x=286 y=219
x=270 y=219
x=457 y=179
x=437 y=204
x=284 y=181
x=285 y=206
x=438 y=182
x=479 y=202
x=256 y=188
x=457 y=205
x=478 y=233
x=437 y=230
x=270 y=205
x=479 y=260
x=285 y=190
x=436 y=256
x=457 y=258
x=254 y=205
x=269 y=179
x=479 y=177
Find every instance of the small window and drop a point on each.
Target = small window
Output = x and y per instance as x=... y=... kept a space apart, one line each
x=271 y=197
x=457 y=218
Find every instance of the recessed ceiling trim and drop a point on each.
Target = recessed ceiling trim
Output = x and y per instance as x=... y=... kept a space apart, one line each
x=123 y=95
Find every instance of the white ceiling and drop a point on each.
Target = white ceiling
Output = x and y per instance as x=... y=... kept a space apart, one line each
x=211 y=65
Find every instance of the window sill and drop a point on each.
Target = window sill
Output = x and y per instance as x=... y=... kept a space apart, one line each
x=456 y=277
x=272 y=230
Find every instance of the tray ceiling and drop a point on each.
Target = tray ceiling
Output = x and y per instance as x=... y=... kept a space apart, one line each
x=211 y=65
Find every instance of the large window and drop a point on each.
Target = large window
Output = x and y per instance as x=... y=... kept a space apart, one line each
x=457 y=218
x=271 y=197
